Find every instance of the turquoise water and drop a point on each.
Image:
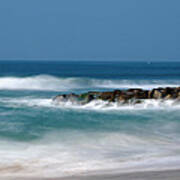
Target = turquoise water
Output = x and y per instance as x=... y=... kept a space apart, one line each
x=39 y=138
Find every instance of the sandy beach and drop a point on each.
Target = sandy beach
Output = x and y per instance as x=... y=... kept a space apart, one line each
x=150 y=175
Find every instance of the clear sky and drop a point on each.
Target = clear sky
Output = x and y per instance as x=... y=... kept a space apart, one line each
x=90 y=29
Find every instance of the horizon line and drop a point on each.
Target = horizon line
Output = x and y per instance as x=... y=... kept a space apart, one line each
x=93 y=59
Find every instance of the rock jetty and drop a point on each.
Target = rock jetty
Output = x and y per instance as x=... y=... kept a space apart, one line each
x=121 y=96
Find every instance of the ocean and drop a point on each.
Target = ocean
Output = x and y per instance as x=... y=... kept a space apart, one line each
x=41 y=139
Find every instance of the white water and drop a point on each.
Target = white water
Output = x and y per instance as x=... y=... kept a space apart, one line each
x=69 y=153
x=52 y=83
x=73 y=152
x=149 y=104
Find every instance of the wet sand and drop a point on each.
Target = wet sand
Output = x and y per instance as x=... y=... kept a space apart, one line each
x=150 y=175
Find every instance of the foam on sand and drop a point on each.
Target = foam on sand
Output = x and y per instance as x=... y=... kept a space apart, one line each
x=57 y=155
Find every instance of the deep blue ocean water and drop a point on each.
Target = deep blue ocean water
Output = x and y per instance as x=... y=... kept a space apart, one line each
x=39 y=138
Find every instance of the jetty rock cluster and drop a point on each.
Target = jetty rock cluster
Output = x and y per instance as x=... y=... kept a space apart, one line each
x=121 y=96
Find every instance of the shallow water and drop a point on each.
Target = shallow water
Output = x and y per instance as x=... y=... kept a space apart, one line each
x=40 y=138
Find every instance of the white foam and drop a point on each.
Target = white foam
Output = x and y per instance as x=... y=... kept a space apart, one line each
x=41 y=82
x=72 y=153
x=143 y=84
x=52 y=83
x=148 y=104
x=27 y=101
x=105 y=105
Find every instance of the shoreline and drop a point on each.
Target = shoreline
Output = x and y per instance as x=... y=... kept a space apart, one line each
x=146 y=175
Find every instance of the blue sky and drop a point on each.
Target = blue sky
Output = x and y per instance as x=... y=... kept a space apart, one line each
x=90 y=29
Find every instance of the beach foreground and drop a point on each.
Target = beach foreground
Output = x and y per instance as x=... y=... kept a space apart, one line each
x=150 y=175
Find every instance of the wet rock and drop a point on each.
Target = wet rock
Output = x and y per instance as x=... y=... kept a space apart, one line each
x=72 y=97
x=169 y=90
x=60 y=98
x=124 y=97
x=107 y=96
x=139 y=93
x=86 y=98
x=176 y=93
x=158 y=94
x=168 y=97
x=178 y=96
x=95 y=94
x=121 y=96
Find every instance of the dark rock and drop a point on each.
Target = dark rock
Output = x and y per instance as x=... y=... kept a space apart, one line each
x=125 y=97
x=158 y=94
x=60 y=98
x=86 y=98
x=121 y=96
x=106 y=96
x=73 y=98
x=168 y=96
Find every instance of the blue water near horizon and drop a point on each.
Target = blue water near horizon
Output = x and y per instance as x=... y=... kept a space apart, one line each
x=41 y=138
x=95 y=69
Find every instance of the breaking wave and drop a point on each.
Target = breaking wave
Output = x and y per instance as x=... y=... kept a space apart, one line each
x=148 y=104
x=53 y=83
x=104 y=105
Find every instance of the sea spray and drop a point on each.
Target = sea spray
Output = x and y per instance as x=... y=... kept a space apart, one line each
x=55 y=83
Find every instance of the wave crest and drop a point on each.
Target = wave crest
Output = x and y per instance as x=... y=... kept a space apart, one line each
x=53 y=83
